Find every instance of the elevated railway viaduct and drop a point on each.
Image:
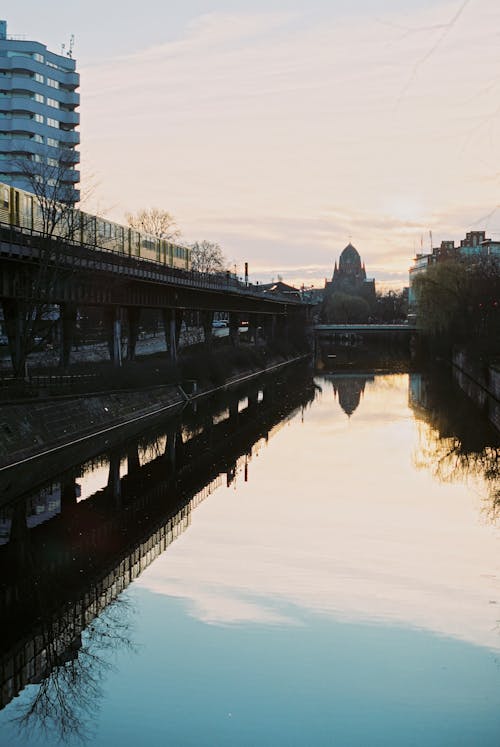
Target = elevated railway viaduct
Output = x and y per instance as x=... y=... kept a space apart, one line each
x=39 y=271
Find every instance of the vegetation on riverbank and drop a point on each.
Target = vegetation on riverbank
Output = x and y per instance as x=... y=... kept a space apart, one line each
x=459 y=306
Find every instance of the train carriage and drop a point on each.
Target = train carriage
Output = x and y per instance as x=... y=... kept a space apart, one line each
x=23 y=209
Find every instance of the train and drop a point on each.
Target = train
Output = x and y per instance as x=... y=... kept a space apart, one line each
x=24 y=210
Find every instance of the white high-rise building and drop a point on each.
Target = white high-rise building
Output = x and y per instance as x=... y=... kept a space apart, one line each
x=38 y=117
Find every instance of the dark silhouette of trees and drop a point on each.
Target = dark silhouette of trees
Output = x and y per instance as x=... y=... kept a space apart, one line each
x=343 y=308
x=30 y=321
x=458 y=302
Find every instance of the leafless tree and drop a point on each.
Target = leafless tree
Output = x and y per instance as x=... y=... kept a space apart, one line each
x=64 y=705
x=156 y=222
x=207 y=256
x=56 y=222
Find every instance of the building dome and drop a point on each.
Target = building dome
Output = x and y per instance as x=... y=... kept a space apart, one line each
x=350 y=260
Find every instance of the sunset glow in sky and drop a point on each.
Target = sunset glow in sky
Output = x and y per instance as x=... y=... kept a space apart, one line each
x=284 y=130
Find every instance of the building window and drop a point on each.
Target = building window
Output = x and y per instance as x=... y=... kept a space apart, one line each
x=52 y=142
x=52 y=161
x=39 y=98
x=39 y=118
x=52 y=122
x=53 y=102
x=38 y=138
x=52 y=83
x=38 y=78
x=38 y=57
x=5 y=197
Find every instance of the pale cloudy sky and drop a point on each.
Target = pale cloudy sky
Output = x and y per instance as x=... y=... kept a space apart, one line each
x=283 y=130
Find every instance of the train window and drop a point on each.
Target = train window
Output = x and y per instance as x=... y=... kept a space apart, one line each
x=5 y=197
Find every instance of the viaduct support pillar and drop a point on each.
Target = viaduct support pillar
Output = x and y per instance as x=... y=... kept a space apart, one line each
x=234 y=323
x=68 y=493
x=114 y=482
x=15 y=327
x=133 y=462
x=207 y=318
x=172 y=323
x=114 y=323
x=133 y=314
x=67 y=326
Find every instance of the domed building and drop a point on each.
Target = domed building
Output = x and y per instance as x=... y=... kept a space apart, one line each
x=350 y=276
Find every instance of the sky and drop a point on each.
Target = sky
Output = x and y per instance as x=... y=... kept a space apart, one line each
x=284 y=130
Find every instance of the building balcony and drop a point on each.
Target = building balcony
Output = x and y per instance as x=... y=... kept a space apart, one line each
x=68 y=138
x=67 y=118
x=21 y=104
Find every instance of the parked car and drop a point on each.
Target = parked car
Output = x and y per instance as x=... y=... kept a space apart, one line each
x=219 y=324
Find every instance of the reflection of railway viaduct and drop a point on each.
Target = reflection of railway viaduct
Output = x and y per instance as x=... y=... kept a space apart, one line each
x=79 y=276
x=60 y=575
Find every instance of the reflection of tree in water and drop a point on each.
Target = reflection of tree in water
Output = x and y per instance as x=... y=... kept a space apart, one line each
x=456 y=442
x=68 y=652
x=66 y=702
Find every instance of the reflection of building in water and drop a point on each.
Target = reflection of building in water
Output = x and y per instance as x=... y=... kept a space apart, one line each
x=417 y=393
x=92 y=549
x=349 y=389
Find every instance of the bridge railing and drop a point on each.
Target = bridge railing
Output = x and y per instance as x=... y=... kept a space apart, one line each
x=72 y=253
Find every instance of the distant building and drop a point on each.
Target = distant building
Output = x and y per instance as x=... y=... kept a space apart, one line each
x=350 y=276
x=475 y=244
x=38 y=117
x=280 y=288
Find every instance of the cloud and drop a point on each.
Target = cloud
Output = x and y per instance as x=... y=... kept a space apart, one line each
x=276 y=134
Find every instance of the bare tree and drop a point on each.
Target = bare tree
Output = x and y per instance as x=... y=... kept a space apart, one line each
x=156 y=222
x=207 y=256
x=64 y=706
x=53 y=216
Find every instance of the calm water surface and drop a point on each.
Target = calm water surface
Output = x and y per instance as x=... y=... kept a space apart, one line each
x=339 y=585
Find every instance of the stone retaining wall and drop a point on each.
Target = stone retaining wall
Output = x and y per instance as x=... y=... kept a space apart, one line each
x=39 y=426
x=480 y=382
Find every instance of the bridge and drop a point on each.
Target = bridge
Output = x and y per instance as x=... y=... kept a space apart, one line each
x=36 y=269
x=364 y=329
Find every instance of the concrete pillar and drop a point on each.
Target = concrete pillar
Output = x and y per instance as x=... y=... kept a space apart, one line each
x=171 y=449
x=68 y=493
x=114 y=482
x=172 y=323
x=253 y=323
x=269 y=327
x=133 y=314
x=207 y=318
x=114 y=324
x=234 y=323
x=166 y=316
x=67 y=325
x=13 y=314
x=133 y=463
x=179 y=315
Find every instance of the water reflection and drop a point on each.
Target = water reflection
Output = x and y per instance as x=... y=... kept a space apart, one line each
x=337 y=521
x=71 y=548
x=455 y=442
x=349 y=389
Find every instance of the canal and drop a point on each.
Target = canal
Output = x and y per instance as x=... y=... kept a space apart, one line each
x=307 y=560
